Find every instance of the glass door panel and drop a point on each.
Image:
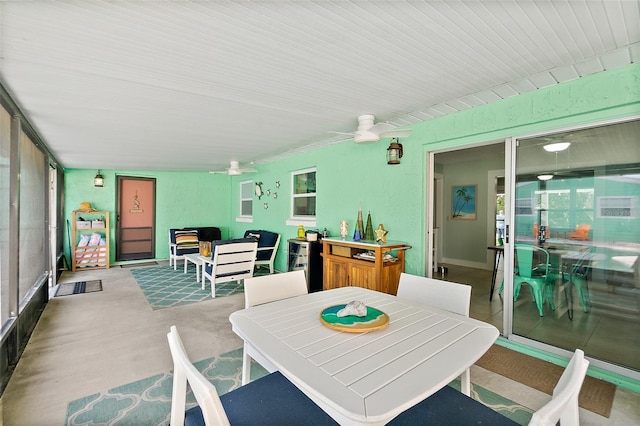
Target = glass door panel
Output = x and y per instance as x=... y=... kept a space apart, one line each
x=576 y=235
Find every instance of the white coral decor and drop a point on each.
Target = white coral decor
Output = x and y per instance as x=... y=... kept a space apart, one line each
x=355 y=307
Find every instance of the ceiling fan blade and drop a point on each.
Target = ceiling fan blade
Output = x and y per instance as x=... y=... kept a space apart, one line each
x=381 y=128
x=366 y=137
x=248 y=170
x=396 y=133
x=341 y=133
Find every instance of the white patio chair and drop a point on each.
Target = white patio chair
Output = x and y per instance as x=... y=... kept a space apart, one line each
x=205 y=393
x=269 y=400
x=563 y=406
x=231 y=260
x=452 y=297
x=265 y=289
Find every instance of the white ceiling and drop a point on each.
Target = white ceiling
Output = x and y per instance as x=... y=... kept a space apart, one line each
x=191 y=85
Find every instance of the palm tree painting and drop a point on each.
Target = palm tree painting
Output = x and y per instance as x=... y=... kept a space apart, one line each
x=464 y=202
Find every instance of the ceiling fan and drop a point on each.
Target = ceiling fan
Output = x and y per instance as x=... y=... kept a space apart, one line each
x=234 y=170
x=368 y=131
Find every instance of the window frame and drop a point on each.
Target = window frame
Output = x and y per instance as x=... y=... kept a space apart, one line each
x=607 y=202
x=305 y=220
x=245 y=217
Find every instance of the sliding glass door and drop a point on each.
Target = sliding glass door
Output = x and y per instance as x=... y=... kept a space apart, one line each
x=576 y=241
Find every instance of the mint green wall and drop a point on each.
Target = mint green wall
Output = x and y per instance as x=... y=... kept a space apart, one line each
x=182 y=199
x=351 y=175
x=348 y=176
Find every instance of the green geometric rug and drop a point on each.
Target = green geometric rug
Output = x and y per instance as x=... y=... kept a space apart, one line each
x=148 y=401
x=164 y=287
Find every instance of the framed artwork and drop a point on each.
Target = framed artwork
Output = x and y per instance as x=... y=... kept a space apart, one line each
x=464 y=203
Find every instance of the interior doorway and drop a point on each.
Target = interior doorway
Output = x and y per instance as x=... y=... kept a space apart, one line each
x=461 y=243
x=135 y=218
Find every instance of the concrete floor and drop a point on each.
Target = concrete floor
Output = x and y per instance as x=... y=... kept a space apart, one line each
x=93 y=342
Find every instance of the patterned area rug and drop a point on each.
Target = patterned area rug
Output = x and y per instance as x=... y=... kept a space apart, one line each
x=165 y=287
x=138 y=264
x=148 y=401
x=67 y=289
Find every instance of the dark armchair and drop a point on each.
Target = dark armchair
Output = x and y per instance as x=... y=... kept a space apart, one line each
x=268 y=243
x=187 y=240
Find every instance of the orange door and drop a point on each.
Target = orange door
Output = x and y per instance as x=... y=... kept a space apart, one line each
x=136 y=217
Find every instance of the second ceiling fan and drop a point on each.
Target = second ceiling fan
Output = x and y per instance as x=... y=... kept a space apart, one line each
x=369 y=131
x=234 y=169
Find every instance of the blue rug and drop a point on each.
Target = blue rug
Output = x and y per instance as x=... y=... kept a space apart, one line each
x=164 y=287
x=148 y=401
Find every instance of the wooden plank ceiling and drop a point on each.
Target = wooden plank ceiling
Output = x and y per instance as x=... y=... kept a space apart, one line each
x=191 y=85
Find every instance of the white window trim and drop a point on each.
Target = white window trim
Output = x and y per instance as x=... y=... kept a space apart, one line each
x=525 y=203
x=609 y=201
x=241 y=217
x=301 y=220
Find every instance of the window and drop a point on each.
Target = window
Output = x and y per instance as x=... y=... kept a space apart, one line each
x=303 y=196
x=524 y=207
x=246 y=201
x=616 y=207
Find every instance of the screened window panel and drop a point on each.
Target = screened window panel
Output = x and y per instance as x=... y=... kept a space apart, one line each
x=33 y=178
x=5 y=139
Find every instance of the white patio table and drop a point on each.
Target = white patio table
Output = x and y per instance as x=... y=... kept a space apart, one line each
x=197 y=260
x=364 y=378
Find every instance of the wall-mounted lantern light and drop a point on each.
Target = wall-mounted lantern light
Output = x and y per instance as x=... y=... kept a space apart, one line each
x=98 y=181
x=394 y=152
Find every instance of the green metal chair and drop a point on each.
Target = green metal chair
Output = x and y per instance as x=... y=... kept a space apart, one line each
x=534 y=268
x=579 y=278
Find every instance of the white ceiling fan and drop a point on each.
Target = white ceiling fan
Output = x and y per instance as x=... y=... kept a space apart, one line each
x=368 y=131
x=234 y=170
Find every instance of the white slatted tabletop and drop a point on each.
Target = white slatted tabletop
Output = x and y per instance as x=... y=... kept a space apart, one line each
x=364 y=378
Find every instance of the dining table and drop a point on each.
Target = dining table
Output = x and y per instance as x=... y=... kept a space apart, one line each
x=363 y=377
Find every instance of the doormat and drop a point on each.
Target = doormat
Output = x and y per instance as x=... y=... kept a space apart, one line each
x=596 y=395
x=67 y=289
x=134 y=265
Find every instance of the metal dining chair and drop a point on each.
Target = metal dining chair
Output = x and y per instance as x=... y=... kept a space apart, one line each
x=265 y=289
x=452 y=297
x=536 y=270
x=579 y=278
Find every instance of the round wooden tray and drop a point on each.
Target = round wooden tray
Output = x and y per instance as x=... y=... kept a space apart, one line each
x=374 y=320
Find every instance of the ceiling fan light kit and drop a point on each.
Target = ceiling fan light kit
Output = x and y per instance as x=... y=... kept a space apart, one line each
x=557 y=147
